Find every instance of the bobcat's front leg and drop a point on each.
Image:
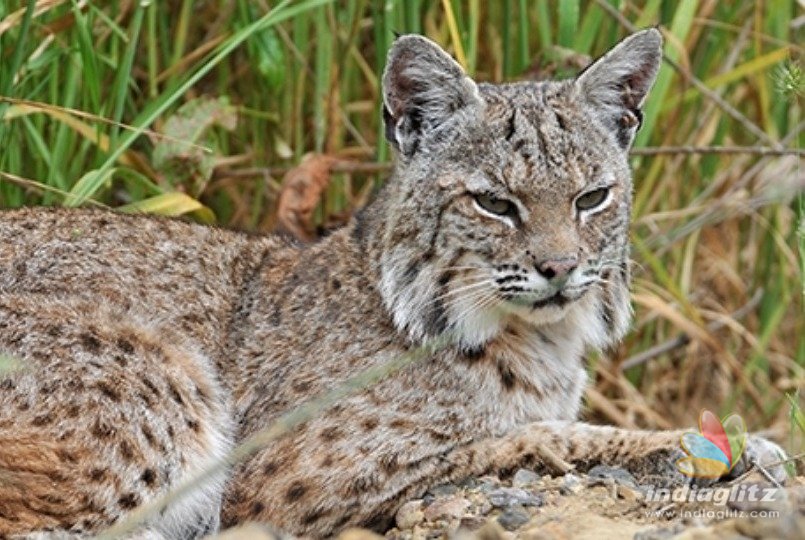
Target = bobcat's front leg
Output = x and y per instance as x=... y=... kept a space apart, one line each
x=649 y=455
x=558 y=447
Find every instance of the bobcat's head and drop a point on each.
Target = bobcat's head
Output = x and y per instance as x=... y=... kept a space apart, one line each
x=510 y=202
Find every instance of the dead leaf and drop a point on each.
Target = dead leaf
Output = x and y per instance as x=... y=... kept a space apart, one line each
x=302 y=188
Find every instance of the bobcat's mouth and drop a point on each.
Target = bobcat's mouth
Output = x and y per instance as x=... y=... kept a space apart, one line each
x=558 y=300
x=530 y=302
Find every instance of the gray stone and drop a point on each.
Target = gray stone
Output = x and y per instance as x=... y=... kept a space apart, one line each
x=469 y=483
x=453 y=507
x=604 y=474
x=513 y=518
x=472 y=523
x=443 y=489
x=524 y=477
x=505 y=497
x=571 y=485
x=488 y=484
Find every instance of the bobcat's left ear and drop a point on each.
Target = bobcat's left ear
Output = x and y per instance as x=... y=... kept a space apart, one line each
x=617 y=83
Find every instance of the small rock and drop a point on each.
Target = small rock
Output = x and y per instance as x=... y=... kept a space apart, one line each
x=453 y=507
x=605 y=474
x=488 y=484
x=410 y=514
x=472 y=523
x=505 y=497
x=443 y=490
x=513 y=518
x=469 y=483
x=524 y=477
x=571 y=485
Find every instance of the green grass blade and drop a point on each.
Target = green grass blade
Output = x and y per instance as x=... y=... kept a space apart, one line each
x=543 y=27
x=680 y=27
x=568 y=22
x=123 y=72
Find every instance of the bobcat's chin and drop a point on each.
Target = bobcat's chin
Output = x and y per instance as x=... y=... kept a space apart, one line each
x=542 y=309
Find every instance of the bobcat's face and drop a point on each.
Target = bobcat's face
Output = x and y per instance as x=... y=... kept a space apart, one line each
x=512 y=201
x=534 y=205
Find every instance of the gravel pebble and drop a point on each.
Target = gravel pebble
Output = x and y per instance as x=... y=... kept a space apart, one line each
x=605 y=474
x=488 y=484
x=524 y=477
x=453 y=507
x=472 y=523
x=571 y=505
x=513 y=518
x=571 y=484
x=443 y=489
x=504 y=497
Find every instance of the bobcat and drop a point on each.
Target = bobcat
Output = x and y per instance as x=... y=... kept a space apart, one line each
x=148 y=348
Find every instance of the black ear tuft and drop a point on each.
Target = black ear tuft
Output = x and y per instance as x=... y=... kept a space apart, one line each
x=423 y=89
x=390 y=125
x=617 y=84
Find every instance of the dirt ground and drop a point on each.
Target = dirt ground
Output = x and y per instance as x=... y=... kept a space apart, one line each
x=605 y=504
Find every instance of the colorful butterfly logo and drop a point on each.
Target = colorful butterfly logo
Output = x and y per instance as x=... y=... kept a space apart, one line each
x=715 y=451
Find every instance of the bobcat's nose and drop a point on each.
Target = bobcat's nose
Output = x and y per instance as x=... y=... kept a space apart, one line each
x=557 y=268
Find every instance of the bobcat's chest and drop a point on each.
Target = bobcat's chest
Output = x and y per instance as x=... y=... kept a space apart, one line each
x=527 y=376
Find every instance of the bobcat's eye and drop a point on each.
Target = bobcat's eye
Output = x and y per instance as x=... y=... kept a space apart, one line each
x=499 y=207
x=590 y=200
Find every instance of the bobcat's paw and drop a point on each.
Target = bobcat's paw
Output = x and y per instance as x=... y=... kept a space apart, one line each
x=658 y=468
x=767 y=455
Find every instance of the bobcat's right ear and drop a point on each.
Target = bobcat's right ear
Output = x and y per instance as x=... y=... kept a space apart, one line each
x=423 y=88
